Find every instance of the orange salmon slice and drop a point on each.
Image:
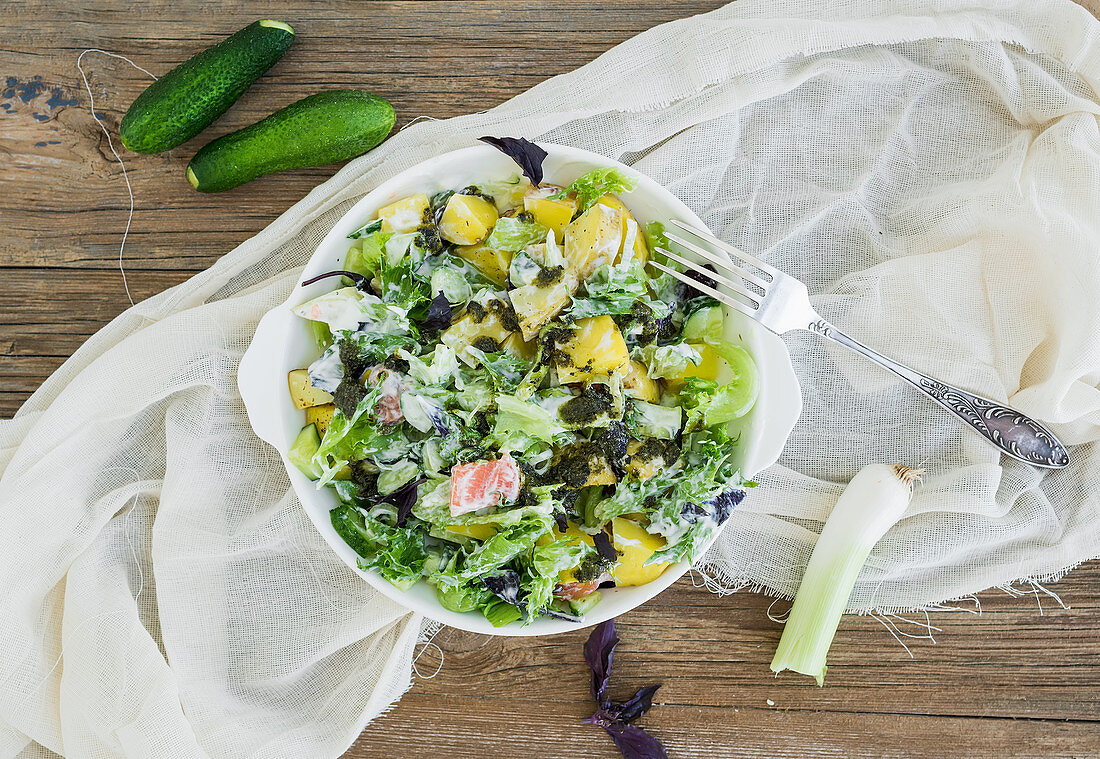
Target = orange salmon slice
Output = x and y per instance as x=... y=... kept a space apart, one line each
x=484 y=484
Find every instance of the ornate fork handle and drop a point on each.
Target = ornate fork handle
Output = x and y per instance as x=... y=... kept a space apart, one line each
x=1016 y=434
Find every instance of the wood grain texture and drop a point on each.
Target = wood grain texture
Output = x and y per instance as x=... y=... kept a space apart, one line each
x=1007 y=683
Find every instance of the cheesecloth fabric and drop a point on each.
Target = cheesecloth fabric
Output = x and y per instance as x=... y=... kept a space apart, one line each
x=930 y=169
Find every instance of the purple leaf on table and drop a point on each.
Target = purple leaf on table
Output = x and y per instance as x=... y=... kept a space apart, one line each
x=635 y=743
x=598 y=652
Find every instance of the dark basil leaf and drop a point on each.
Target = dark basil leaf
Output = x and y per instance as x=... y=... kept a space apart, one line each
x=635 y=743
x=439 y=315
x=404 y=498
x=527 y=154
x=638 y=704
x=604 y=547
x=724 y=504
x=598 y=652
x=561 y=519
x=504 y=586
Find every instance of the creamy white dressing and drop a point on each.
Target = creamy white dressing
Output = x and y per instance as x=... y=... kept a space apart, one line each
x=326 y=372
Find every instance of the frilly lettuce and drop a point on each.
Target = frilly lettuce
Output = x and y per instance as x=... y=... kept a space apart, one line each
x=512 y=235
x=595 y=184
x=667 y=360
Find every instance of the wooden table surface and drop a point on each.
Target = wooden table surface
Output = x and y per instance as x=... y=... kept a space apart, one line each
x=1009 y=683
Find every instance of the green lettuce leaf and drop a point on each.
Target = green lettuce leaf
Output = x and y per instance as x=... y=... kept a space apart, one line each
x=615 y=290
x=667 y=360
x=595 y=184
x=512 y=235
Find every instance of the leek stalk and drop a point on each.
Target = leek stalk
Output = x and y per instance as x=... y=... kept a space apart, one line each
x=874 y=500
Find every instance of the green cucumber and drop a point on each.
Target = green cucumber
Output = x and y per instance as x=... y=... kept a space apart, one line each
x=705 y=325
x=303 y=449
x=324 y=128
x=188 y=98
x=583 y=605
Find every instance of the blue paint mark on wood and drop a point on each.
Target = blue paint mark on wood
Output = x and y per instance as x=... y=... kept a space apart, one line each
x=40 y=144
x=41 y=117
x=27 y=90
x=53 y=142
x=58 y=99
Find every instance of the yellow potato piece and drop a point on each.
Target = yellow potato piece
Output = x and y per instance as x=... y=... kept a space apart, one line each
x=635 y=545
x=467 y=220
x=514 y=345
x=630 y=231
x=640 y=469
x=475 y=531
x=304 y=394
x=707 y=369
x=469 y=329
x=405 y=215
x=552 y=214
x=638 y=383
x=596 y=347
x=492 y=263
x=593 y=238
x=535 y=306
x=600 y=473
x=321 y=416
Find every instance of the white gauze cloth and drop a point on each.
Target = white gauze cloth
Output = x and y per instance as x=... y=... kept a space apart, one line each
x=932 y=172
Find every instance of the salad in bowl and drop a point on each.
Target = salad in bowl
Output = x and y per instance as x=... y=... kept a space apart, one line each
x=508 y=406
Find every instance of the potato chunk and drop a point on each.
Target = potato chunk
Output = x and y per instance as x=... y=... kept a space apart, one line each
x=633 y=235
x=303 y=393
x=638 y=383
x=321 y=416
x=492 y=263
x=405 y=215
x=482 y=326
x=635 y=545
x=595 y=348
x=593 y=238
x=552 y=214
x=467 y=220
x=535 y=306
x=708 y=368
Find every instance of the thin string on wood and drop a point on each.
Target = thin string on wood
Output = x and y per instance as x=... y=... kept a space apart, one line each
x=428 y=640
x=111 y=145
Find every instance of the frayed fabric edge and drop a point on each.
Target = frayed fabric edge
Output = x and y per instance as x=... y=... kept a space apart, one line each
x=704 y=576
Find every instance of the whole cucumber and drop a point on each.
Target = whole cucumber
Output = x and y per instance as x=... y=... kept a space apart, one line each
x=324 y=128
x=188 y=98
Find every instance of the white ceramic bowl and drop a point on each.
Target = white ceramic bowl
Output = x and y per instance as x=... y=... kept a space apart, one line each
x=283 y=342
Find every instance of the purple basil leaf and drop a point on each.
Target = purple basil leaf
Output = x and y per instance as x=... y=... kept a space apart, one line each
x=439 y=315
x=638 y=704
x=604 y=547
x=598 y=651
x=504 y=586
x=527 y=154
x=635 y=743
x=404 y=498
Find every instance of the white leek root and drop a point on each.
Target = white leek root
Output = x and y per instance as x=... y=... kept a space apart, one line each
x=874 y=500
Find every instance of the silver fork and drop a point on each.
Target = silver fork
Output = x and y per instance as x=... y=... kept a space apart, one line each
x=781 y=303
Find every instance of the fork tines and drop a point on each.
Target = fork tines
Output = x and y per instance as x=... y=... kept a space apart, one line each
x=742 y=289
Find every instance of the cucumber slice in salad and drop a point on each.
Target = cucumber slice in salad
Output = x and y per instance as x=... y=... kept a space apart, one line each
x=302 y=450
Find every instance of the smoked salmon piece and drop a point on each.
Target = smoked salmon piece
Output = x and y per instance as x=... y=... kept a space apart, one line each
x=484 y=484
